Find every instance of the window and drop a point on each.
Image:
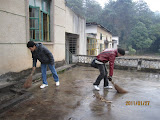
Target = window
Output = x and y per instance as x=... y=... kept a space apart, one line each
x=100 y=36
x=71 y=42
x=73 y=45
x=39 y=16
x=101 y=48
x=91 y=46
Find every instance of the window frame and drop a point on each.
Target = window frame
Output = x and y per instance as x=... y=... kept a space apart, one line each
x=37 y=29
x=91 y=46
x=41 y=22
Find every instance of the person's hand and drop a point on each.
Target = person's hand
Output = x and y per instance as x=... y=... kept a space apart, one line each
x=110 y=78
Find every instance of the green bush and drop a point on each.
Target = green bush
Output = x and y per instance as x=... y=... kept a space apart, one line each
x=131 y=50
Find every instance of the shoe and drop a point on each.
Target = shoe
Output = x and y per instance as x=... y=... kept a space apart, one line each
x=96 y=87
x=108 y=87
x=43 y=86
x=57 y=83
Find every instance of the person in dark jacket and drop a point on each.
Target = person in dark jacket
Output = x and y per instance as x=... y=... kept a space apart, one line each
x=41 y=53
x=102 y=58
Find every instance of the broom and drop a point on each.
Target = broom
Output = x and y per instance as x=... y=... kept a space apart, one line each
x=119 y=89
x=28 y=82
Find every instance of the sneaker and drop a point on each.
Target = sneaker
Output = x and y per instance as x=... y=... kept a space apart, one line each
x=43 y=86
x=108 y=87
x=57 y=83
x=96 y=87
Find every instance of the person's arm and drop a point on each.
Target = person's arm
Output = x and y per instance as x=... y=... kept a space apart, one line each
x=34 y=60
x=111 y=65
x=34 y=64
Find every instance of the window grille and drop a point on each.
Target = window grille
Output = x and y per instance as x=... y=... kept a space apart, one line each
x=72 y=42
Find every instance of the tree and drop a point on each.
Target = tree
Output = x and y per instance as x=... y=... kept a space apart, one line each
x=134 y=23
x=155 y=36
x=93 y=11
x=77 y=6
x=143 y=13
x=119 y=17
x=109 y=18
x=139 y=37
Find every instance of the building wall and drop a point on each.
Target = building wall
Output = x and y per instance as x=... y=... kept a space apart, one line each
x=91 y=29
x=105 y=35
x=58 y=37
x=76 y=24
x=116 y=42
x=14 y=34
x=13 y=50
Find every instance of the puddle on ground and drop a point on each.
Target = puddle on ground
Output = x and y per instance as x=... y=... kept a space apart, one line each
x=75 y=98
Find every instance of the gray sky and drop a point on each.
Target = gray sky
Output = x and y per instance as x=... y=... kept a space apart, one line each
x=153 y=4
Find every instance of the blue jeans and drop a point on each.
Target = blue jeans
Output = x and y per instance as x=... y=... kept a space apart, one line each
x=53 y=70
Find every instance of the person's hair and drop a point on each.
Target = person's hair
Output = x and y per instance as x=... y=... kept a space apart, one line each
x=30 y=44
x=121 y=51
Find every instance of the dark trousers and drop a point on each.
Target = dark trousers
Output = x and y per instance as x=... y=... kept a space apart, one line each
x=103 y=75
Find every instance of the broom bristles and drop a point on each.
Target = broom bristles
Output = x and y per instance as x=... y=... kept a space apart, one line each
x=118 y=88
x=28 y=82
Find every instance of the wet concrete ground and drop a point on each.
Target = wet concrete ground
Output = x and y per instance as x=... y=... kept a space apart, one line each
x=75 y=98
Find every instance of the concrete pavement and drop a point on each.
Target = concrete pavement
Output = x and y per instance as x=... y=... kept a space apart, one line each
x=75 y=98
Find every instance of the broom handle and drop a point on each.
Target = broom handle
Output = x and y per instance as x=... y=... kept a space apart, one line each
x=33 y=70
x=112 y=82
